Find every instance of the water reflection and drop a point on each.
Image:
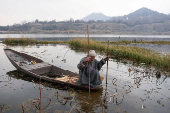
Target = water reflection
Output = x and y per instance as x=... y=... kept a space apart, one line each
x=19 y=75
x=87 y=103
x=66 y=96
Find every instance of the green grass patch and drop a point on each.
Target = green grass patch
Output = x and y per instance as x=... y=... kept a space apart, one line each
x=134 y=41
x=27 y=41
x=136 y=54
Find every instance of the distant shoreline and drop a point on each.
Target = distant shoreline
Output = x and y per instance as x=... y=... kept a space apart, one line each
x=91 y=34
x=112 y=33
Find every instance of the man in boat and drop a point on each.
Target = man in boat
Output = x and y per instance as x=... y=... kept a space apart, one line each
x=95 y=66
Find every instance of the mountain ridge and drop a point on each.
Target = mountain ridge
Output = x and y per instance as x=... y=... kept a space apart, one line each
x=143 y=12
x=142 y=21
x=95 y=17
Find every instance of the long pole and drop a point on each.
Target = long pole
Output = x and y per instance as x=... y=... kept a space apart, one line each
x=40 y=94
x=107 y=61
x=88 y=56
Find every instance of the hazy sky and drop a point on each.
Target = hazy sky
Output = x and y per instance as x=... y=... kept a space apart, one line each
x=17 y=11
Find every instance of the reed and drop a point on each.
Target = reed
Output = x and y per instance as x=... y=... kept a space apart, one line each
x=23 y=41
x=136 y=54
x=134 y=41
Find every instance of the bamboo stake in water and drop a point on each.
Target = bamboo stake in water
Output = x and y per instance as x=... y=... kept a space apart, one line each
x=102 y=106
x=107 y=61
x=88 y=56
x=22 y=109
x=40 y=94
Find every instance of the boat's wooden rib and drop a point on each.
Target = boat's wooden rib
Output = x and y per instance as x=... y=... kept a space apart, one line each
x=47 y=71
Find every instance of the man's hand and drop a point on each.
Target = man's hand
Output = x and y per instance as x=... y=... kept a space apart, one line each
x=107 y=58
x=88 y=59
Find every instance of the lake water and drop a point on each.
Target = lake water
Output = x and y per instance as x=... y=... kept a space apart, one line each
x=139 y=90
x=164 y=49
x=98 y=37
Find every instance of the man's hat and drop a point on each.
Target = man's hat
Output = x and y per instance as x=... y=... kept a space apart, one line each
x=92 y=53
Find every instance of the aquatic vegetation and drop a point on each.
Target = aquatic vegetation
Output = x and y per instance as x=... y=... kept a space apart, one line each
x=136 y=54
x=4 y=108
x=142 y=41
x=22 y=41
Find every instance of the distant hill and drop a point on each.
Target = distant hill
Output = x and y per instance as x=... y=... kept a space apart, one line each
x=142 y=16
x=142 y=21
x=145 y=12
x=95 y=17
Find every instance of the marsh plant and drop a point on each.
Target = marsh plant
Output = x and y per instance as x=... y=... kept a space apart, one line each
x=136 y=54
x=22 y=40
x=142 y=41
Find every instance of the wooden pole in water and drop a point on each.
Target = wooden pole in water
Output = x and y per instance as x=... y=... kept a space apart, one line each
x=40 y=94
x=102 y=106
x=88 y=56
x=107 y=61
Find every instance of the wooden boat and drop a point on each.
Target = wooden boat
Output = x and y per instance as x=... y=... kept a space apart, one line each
x=42 y=69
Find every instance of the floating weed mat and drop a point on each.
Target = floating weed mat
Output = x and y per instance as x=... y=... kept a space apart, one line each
x=136 y=54
x=78 y=104
x=3 y=108
x=33 y=105
x=68 y=96
x=114 y=81
x=4 y=78
x=115 y=98
x=127 y=88
x=59 y=98
x=84 y=105
x=159 y=81
x=138 y=76
x=148 y=75
x=145 y=74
